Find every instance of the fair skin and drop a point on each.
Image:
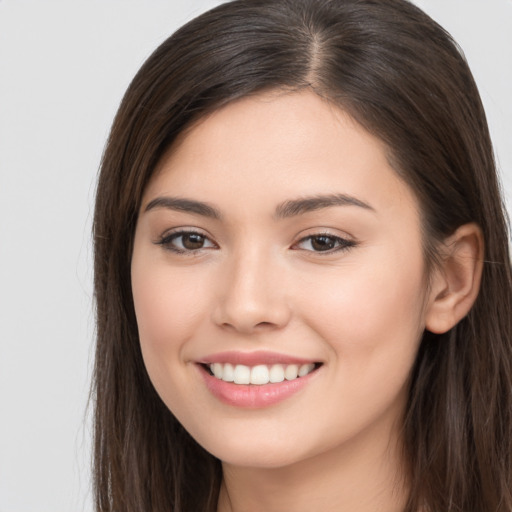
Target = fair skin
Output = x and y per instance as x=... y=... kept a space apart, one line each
x=247 y=272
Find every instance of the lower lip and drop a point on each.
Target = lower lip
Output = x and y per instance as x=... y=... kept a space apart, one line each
x=254 y=396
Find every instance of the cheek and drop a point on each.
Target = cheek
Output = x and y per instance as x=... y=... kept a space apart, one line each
x=167 y=306
x=371 y=319
x=169 y=311
x=372 y=325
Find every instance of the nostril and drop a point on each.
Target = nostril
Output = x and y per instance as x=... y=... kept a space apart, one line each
x=264 y=324
x=249 y=307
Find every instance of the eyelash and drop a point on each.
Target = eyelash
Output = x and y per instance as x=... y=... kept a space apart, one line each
x=167 y=241
x=340 y=244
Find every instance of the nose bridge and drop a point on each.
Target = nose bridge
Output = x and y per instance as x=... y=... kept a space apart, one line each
x=252 y=295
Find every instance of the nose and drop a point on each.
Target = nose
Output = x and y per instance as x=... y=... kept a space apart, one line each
x=252 y=295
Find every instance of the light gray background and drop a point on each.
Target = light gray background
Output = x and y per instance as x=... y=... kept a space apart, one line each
x=64 y=66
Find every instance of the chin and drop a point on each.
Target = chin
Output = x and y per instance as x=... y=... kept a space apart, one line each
x=248 y=451
x=258 y=458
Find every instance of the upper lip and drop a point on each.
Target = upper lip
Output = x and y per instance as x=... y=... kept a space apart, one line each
x=253 y=358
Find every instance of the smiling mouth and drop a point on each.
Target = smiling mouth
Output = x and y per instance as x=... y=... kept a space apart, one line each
x=259 y=375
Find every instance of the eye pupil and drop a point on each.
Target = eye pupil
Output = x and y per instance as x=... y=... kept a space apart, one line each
x=193 y=241
x=322 y=243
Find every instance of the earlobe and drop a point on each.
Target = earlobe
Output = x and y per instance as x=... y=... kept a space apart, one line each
x=456 y=281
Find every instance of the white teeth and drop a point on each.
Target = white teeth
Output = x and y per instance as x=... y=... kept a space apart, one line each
x=305 y=369
x=242 y=374
x=217 y=370
x=260 y=374
x=276 y=373
x=228 y=373
x=291 y=372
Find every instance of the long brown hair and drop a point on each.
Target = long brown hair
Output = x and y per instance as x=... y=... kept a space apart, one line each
x=403 y=78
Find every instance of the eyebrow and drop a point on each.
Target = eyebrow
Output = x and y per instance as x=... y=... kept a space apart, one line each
x=184 y=205
x=309 y=204
x=284 y=210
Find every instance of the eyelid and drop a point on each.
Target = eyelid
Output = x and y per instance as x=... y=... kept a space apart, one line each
x=344 y=242
x=166 y=238
x=183 y=229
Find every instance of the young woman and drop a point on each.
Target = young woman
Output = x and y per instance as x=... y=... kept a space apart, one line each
x=302 y=273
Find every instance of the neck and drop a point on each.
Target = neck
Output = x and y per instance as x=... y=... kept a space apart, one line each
x=365 y=476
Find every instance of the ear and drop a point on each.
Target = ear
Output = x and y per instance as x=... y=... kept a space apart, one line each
x=456 y=281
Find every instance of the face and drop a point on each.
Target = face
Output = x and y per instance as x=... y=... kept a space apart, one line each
x=277 y=249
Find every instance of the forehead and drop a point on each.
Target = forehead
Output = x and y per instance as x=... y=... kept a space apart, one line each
x=275 y=145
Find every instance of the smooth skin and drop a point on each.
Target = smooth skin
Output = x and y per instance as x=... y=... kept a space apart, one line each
x=343 y=284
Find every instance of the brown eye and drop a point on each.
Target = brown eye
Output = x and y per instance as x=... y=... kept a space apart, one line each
x=192 y=241
x=186 y=241
x=324 y=243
